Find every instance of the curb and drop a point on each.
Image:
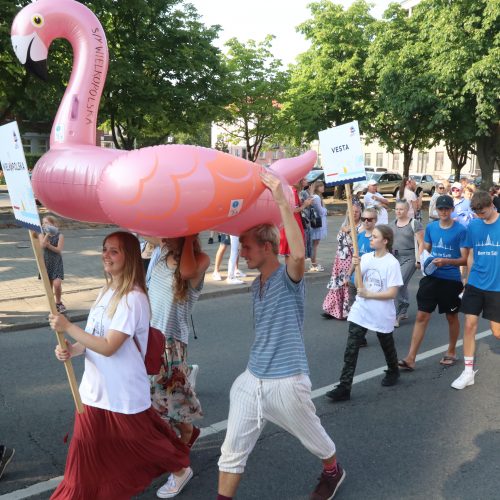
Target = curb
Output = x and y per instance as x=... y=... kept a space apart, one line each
x=30 y=325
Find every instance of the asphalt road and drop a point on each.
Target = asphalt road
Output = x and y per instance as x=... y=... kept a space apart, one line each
x=417 y=440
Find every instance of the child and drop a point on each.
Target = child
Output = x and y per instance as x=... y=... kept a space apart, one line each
x=52 y=242
x=374 y=310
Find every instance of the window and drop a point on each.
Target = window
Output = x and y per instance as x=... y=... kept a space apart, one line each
x=422 y=161
x=368 y=159
x=380 y=160
x=43 y=145
x=395 y=161
x=26 y=145
x=439 y=161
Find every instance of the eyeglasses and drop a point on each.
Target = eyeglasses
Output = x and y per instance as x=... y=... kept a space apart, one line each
x=440 y=187
x=367 y=219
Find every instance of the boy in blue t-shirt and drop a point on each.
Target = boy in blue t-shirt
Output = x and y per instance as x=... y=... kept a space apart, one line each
x=445 y=240
x=482 y=292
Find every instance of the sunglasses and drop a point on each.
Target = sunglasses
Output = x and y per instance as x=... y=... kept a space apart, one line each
x=455 y=189
x=367 y=219
x=440 y=187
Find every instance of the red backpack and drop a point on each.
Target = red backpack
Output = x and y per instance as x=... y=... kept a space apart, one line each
x=154 y=351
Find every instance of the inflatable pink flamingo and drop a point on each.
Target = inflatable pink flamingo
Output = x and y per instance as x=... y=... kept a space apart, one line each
x=160 y=191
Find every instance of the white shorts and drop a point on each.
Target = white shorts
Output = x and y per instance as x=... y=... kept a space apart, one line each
x=285 y=402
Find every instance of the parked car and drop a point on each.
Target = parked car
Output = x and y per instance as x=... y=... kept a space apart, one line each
x=375 y=169
x=388 y=182
x=318 y=174
x=425 y=183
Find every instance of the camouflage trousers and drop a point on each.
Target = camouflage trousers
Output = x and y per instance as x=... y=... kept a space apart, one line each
x=356 y=336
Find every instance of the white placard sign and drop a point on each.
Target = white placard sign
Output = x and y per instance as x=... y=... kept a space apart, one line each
x=341 y=154
x=17 y=178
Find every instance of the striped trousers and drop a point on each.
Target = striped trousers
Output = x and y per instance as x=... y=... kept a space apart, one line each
x=285 y=402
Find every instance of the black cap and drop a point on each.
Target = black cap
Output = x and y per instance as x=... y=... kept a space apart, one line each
x=444 y=201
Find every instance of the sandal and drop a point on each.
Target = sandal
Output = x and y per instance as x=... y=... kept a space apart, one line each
x=405 y=366
x=448 y=360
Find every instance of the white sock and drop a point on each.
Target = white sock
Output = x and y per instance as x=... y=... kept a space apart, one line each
x=469 y=363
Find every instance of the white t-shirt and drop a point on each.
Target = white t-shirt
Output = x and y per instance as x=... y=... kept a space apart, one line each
x=118 y=383
x=410 y=196
x=370 y=200
x=379 y=274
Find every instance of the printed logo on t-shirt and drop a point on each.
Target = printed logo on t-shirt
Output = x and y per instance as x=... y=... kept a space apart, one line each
x=373 y=280
x=487 y=247
x=446 y=251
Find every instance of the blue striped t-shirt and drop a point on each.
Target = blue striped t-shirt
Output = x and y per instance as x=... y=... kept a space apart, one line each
x=278 y=350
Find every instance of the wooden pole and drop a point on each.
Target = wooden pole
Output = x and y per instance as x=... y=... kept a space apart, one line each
x=354 y=234
x=40 y=262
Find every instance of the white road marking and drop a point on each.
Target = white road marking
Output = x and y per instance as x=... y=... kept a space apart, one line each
x=217 y=427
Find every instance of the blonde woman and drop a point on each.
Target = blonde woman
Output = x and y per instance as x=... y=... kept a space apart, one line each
x=119 y=443
x=176 y=283
x=318 y=233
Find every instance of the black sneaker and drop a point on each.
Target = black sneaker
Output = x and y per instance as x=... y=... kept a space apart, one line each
x=391 y=378
x=328 y=485
x=340 y=393
x=6 y=455
x=327 y=316
x=210 y=241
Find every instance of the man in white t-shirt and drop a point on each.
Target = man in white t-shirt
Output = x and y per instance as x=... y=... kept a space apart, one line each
x=377 y=201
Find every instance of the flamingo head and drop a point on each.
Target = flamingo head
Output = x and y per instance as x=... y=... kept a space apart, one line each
x=32 y=34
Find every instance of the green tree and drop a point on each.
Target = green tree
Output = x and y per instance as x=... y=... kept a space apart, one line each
x=165 y=75
x=327 y=85
x=403 y=100
x=464 y=41
x=22 y=98
x=257 y=85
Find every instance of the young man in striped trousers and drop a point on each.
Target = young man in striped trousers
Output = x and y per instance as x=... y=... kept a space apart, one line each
x=275 y=386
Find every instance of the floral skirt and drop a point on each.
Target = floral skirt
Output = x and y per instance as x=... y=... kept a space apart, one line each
x=171 y=393
x=336 y=302
x=116 y=456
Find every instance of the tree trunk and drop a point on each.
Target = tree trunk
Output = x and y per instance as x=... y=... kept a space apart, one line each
x=458 y=158
x=407 y=157
x=487 y=154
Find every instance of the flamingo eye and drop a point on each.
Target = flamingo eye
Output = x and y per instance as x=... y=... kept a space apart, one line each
x=37 y=20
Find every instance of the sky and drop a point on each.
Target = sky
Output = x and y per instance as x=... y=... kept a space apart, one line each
x=254 y=19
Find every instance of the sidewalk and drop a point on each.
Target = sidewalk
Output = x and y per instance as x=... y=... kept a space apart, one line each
x=23 y=304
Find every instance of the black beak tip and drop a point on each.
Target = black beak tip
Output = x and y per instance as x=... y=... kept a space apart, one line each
x=38 y=68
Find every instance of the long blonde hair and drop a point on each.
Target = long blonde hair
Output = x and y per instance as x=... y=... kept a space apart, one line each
x=133 y=276
x=181 y=285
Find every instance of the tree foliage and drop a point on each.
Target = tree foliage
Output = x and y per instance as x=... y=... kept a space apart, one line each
x=165 y=75
x=257 y=86
x=404 y=99
x=463 y=37
x=328 y=86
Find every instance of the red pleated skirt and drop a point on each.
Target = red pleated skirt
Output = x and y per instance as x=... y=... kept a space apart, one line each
x=113 y=456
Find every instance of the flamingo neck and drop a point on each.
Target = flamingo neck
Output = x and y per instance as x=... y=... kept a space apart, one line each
x=76 y=119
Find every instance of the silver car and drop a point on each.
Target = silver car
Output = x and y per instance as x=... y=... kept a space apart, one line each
x=387 y=182
x=425 y=183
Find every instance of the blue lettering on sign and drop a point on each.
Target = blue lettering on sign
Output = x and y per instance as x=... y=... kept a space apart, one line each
x=338 y=149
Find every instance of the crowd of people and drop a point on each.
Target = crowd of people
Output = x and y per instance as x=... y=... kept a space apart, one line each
x=136 y=426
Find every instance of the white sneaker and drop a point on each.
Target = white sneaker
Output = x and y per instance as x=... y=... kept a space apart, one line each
x=319 y=267
x=313 y=269
x=239 y=274
x=192 y=375
x=175 y=484
x=234 y=281
x=465 y=379
x=216 y=276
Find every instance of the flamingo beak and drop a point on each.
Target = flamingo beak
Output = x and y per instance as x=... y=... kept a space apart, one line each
x=32 y=52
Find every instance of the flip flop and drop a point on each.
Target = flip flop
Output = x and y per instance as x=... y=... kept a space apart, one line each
x=405 y=366
x=448 y=360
